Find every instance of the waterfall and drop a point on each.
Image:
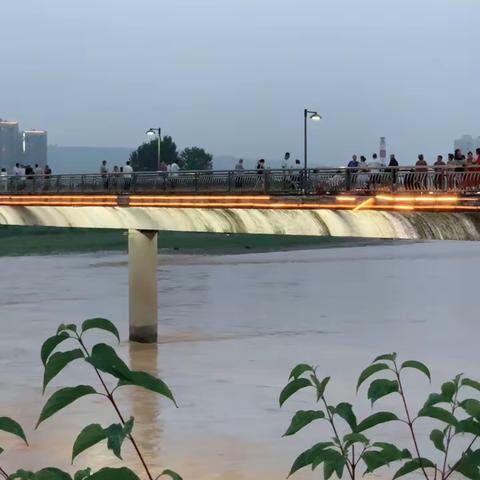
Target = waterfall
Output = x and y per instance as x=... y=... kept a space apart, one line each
x=337 y=223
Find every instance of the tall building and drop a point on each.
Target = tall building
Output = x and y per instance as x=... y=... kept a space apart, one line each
x=10 y=145
x=35 y=147
x=467 y=143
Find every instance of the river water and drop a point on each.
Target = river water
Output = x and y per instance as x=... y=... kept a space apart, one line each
x=231 y=328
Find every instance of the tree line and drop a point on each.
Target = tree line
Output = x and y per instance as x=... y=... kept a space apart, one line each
x=145 y=157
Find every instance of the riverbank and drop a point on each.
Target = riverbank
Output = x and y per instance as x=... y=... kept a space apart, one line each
x=18 y=241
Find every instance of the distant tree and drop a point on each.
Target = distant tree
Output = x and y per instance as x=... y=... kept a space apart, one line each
x=195 y=158
x=145 y=157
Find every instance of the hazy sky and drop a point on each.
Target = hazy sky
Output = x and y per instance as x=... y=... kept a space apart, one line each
x=234 y=76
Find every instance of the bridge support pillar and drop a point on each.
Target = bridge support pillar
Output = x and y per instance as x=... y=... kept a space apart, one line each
x=142 y=291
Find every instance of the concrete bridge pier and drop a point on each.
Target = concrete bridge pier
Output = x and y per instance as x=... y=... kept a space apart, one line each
x=142 y=291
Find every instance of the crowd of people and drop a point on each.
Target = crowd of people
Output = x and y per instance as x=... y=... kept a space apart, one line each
x=456 y=162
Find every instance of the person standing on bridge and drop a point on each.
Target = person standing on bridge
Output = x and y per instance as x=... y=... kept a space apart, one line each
x=104 y=173
x=127 y=175
x=3 y=180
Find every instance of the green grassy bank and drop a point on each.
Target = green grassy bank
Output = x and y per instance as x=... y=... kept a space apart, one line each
x=46 y=241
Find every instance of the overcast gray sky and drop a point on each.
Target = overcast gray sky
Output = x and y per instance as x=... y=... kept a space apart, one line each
x=234 y=76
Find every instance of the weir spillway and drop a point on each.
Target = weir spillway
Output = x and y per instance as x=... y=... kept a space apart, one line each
x=312 y=222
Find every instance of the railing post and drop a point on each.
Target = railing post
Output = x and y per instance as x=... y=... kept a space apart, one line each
x=229 y=181
x=348 y=180
x=195 y=181
x=266 y=179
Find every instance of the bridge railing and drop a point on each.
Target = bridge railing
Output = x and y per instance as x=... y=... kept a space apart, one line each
x=272 y=182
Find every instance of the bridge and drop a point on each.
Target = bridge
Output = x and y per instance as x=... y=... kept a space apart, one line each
x=389 y=203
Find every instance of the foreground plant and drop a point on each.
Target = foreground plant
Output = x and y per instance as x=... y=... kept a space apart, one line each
x=352 y=451
x=103 y=359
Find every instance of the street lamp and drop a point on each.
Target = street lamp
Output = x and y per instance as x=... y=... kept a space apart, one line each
x=152 y=132
x=315 y=117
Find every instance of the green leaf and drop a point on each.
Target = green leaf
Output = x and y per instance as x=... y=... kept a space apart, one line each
x=52 y=473
x=57 y=362
x=467 y=382
x=345 y=411
x=438 y=437
x=301 y=419
x=65 y=328
x=413 y=465
x=170 y=473
x=369 y=371
x=50 y=344
x=387 y=356
x=149 y=382
x=116 y=434
x=102 y=324
x=448 y=390
x=387 y=454
x=376 y=419
x=1 y=450
x=327 y=455
x=308 y=456
x=105 y=359
x=114 y=474
x=82 y=474
x=438 y=413
x=293 y=387
x=333 y=461
x=468 y=426
x=435 y=398
x=469 y=464
x=9 y=425
x=299 y=370
x=352 y=438
x=89 y=436
x=22 y=475
x=418 y=365
x=472 y=407
x=320 y=386
x=63 y=398
x=381 y=388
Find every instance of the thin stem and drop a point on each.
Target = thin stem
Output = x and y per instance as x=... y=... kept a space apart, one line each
x=353 y=462
x=409 y=421
x=342 y=449
x=460 y=459
x=449 y=437
x=120 y=416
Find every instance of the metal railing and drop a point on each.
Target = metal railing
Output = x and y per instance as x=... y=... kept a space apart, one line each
x=271 y=182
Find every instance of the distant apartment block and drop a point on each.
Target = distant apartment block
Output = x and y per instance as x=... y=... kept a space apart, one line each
x=10 y=145
x=467 y=143
x=35 y=147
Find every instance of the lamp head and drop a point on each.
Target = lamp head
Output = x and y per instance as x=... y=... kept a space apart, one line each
x=151 y=132
x=315 y=117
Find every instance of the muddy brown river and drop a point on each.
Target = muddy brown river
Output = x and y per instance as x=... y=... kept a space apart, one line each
x=231 y=328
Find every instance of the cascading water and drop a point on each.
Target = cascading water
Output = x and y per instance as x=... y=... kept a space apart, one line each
x=337 y=223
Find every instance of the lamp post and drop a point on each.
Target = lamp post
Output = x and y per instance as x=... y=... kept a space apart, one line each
x=315 y=117
x=151 y=132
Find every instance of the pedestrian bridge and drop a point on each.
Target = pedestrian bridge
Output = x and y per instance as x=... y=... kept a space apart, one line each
x=401 y=204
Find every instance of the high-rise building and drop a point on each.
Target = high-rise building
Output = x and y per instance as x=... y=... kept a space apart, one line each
x=35 y=147
x=467 y=143
x=10 y=145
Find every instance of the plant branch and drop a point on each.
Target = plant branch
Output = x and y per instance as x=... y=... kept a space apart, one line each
x=409 y=421
x=460 y=459
x=4 y=473
x=342 y=449
x=117 y=410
